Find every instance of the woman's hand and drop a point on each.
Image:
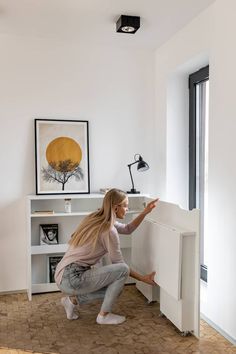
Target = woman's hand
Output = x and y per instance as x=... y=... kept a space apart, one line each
x=149 y=278
x=151 y=205
x=137 y=221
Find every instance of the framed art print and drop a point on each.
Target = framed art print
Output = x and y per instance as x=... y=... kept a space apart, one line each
x=62 y=156
x=52 y=264
x=48 y=234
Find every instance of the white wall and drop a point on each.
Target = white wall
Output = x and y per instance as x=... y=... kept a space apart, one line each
x=186 y=52
x=222 y=170
x=112 y=88
x=210 y=35
x=177 y=138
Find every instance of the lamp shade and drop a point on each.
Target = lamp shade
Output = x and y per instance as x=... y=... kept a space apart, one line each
x=142 y=165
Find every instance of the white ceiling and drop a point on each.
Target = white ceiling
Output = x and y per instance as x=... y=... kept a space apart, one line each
x=94 y=20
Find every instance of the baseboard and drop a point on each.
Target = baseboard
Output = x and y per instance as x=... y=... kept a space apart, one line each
x=218 y=329
x=24 y=291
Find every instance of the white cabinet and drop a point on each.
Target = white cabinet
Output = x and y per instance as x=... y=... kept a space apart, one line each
x=168 y=242
x=81 y=205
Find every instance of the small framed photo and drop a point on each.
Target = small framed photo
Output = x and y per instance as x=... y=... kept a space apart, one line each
x=52 y=264
x=62 y=156
x=48 y=234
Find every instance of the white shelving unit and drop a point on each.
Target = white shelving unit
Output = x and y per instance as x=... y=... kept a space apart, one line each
x=82 y=205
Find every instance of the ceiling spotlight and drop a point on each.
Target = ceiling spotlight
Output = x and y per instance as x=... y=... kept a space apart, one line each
x=128 y=24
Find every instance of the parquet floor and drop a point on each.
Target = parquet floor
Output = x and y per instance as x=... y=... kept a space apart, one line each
x=40 y=326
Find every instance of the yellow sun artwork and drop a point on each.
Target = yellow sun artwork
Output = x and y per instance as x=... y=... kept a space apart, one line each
x=63 y=149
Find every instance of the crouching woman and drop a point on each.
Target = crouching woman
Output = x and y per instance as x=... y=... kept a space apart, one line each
x=96 y=236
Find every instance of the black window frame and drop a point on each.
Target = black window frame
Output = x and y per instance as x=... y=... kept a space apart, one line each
x=194 y=79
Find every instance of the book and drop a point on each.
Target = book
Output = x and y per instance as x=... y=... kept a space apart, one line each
x=48 y=234
x=104 y=190
x=52 y=264
x=43 y=212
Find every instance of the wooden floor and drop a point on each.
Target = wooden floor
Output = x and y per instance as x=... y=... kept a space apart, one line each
x=40 y=326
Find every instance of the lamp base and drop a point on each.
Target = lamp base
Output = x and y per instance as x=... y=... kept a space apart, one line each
x=133 y=191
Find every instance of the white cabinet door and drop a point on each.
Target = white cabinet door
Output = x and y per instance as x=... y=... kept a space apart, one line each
x=158 y=248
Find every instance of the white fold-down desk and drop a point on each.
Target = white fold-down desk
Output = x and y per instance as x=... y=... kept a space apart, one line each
x=168 y=242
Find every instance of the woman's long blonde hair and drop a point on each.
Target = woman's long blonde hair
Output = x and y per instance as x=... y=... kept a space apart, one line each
x=100 y=221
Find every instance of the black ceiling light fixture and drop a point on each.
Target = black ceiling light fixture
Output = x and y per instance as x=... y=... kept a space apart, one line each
x=128 y=24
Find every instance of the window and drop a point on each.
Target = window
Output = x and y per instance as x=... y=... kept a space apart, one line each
x=198 y=153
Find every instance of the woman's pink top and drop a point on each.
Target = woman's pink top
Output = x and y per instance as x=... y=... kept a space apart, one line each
x=88 y=255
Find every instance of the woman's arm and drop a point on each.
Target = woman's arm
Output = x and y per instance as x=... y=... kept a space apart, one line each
x=148 y=278
x=137 y=221
x=127 y=229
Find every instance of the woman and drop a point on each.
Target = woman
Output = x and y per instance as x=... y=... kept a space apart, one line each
x=97 y=235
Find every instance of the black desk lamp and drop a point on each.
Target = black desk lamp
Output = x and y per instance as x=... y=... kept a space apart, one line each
x=142 y=166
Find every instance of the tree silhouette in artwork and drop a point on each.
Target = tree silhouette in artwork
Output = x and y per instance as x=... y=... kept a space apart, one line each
x=63 y=155
x=64 y=171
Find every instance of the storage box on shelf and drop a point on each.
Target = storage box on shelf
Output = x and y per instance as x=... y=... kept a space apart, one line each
x=50 y=209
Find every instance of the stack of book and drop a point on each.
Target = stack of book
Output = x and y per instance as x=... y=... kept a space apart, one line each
x=43 y=212
x=104 y=190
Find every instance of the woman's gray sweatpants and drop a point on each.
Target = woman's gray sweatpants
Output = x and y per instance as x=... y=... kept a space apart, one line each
x=88 y=284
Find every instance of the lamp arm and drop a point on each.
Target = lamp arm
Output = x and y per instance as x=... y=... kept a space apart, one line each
x=131 y=175
x=133 y=163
